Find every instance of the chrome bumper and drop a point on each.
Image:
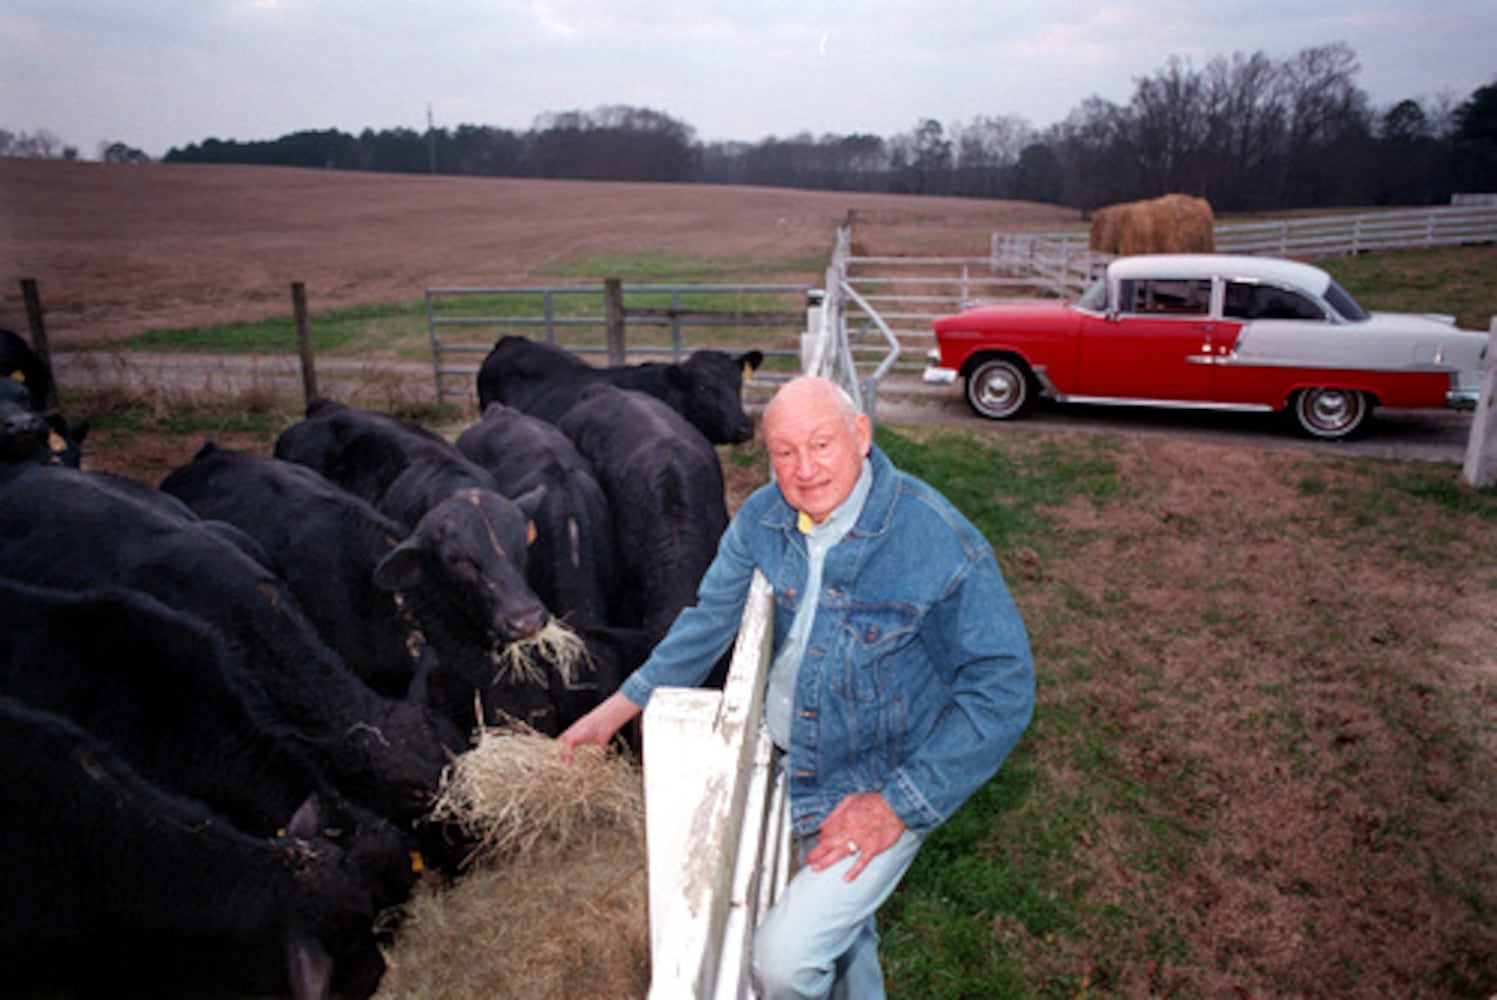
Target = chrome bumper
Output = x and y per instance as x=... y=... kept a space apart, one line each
x=1462 y=399
x=936 y=375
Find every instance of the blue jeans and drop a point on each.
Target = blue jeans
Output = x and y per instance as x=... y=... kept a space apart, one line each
x=820 y=939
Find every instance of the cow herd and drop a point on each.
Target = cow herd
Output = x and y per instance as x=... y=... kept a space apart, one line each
x=227 y=699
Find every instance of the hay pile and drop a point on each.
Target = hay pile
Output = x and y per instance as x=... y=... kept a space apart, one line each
x=554 y=903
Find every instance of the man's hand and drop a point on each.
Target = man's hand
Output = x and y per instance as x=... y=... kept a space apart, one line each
x=597 y=727
x=861 y=825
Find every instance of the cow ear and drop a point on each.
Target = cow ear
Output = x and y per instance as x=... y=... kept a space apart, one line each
x=529 y=502
x=307 y=820
x=400 y=569
x=309 y=968
x=750 y=362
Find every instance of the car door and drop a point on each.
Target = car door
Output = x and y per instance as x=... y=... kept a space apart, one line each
x=1156 y=345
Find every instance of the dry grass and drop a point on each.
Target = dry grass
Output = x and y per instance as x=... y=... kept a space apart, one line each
x=554 y=902
x=524 y=660
x=515 y=795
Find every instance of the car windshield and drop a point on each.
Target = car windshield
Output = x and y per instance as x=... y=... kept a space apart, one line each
x=1346 y=307
x=1094 y=299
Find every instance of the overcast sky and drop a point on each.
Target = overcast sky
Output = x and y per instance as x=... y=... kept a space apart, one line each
x=162 y=73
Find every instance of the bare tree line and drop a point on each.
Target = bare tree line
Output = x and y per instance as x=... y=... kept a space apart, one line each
x=1246 y=132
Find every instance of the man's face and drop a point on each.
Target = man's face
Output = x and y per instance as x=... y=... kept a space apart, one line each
x=815 y=454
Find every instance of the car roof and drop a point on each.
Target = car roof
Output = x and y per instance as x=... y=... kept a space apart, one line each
x=1293 y=273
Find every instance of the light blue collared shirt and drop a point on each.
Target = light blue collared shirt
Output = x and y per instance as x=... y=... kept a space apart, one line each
x=779 y=695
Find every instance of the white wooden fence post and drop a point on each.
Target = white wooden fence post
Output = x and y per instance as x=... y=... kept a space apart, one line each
x=707 y=775
x=1480 y=469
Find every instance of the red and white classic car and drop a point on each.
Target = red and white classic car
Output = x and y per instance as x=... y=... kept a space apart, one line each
x=1210 y=331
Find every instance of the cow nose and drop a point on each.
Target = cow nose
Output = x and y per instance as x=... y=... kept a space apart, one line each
x=23 y=424
x=523 y=622
x=22 y=433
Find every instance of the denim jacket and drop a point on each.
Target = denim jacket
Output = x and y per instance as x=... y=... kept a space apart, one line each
x=917 y=678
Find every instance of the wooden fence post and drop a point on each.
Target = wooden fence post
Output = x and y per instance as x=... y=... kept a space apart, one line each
x=38 y=328
x=304 y=340
x=1480 y=468
x=613 y=311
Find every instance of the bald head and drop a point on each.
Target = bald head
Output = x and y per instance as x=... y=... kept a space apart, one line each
x=817 y=440
x=811 y=392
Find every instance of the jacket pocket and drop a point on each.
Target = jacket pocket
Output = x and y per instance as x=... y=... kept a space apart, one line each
x=875 y=633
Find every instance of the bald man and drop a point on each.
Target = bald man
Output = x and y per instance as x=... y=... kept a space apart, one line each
x=901 y=676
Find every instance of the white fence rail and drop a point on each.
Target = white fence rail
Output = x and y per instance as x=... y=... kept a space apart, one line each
x=1342 y=235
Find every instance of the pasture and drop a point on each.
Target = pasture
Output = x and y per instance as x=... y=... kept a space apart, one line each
x=1265 y=752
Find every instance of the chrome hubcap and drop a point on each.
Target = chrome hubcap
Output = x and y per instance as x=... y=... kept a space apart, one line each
x=1332 y=409
x=998 y=390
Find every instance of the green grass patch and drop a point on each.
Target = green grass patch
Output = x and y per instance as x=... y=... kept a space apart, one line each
x=393 y=329
x=1004 y=485
x=1420 y=509
x=126 y=417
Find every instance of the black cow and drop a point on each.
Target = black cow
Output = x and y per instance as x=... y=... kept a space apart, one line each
x=545 y=381
x=469 y=532
x=116 y=887
x=665 y=488
x=325 y=543
x=29 y=430
x=70 y=529
x=178 y=701
x=22 y=365
x=23 y=432
x=572 y=564
x=452 y=507
x=344 y=560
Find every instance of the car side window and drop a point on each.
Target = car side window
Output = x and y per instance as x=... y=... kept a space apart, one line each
x=1250 y=300
x=1167 y=296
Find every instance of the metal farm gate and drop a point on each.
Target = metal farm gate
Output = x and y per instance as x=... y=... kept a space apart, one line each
x=621 y=323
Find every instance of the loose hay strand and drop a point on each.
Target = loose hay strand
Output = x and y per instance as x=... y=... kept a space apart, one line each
x=513 y=793
x=524 y=660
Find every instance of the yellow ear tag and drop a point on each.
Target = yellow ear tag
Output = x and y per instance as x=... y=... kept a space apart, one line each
x=748 y=372
x=804 y=523
x=18 y=375
x=530 y=532
x=55 y=442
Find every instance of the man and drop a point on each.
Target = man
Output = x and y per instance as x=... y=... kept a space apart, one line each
x=901 y=676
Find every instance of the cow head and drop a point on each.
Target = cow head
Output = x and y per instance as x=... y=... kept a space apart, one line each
x=23 y=431
x=708 y=387
x=472 y=548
